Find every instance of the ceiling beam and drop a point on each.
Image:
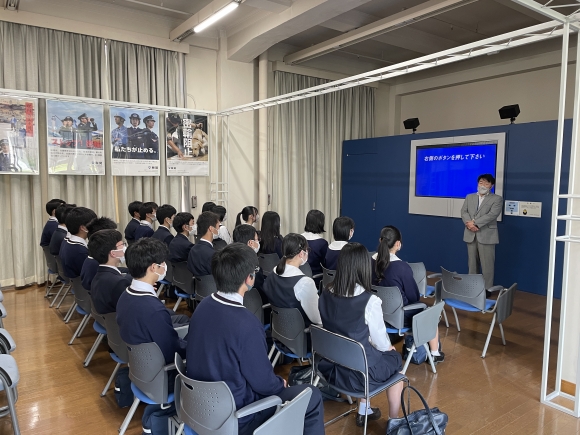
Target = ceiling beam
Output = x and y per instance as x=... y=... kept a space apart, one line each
x=522 y=10
x=388 y=24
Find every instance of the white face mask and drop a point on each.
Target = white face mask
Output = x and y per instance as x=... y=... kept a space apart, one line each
x=304 y=260
x=482 y=190
x=122 y=259
x=161 y=276
x=193 y=230
x=153 y=218
x=215 y=235
x=257 y=248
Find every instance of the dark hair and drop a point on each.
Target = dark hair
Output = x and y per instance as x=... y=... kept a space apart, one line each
x=314 y=222
x=207 y=206
x=341 y=228
x=62 y=212
x=244 y=233
x=270 y=230
x=164 y=212
x=180 y=220
x=354 y=267
x=146 y=208
x=134 y=207
x=143 y=253
x=78 y=217
x=487 y=177
x=204 y=221
x=389 y=236
x=245 y=214
x=231 y=266
x=103 y=242
x=292 y=245
x=102 y=223
x=220 y=211
x=53 y=204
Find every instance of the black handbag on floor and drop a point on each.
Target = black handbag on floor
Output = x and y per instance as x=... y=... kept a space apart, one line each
x=422 y=422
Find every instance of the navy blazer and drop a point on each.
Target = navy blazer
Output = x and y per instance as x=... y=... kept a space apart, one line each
x=130 y=230
x=179 y=249
x=143 y=231
x=107 y=287
x=88 y=272
x=56 y=240
x=199 y=259
x=317 y=255
x=47 y=232
x=73 y=255
x=399 y=274
x=277 y=248
x=331 y=259
x=163 y=234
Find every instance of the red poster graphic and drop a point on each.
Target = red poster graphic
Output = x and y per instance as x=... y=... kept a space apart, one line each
x=29 y=119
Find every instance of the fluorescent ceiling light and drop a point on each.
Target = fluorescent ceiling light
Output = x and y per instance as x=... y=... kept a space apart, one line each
x=215 y=17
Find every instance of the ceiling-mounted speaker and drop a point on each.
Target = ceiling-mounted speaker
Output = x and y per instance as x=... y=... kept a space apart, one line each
x=510 y=112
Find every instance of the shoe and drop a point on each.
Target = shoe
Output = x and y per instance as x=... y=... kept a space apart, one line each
x=437 y=359
x=360 y=419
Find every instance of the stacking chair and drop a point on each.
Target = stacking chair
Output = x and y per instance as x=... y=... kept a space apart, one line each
x=3 y=314
x=9 y=377
x=350 y=354
x=220 y=244
x=149 y=378
x=83 y=306
x=467 y=292
x=327 y=277
x=420 y=275
x=183 y=280
x=393 y=309
x=306 y=270
x=99 y=326
x=52 y=269
x=208 y=408
x=7 y=344
x=253 y=302
x=65 y=283
x=268 y=262
x=204 y=287
x=288 y=329
x=120 y=353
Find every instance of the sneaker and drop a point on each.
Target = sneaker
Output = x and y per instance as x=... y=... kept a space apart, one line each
x=360 y=418
x=437 y=359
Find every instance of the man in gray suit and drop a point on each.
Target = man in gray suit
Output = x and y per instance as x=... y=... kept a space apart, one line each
x=479 y=213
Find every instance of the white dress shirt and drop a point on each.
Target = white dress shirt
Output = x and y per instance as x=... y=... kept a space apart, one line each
x=224 y=234
x=305 y=292
x=234 y=297
x=393 y=257
x=206 y=241
x=481 y=198
x=337 y=246
x=311 y=236
x=143 y=287
x=52 y=218
x=78 y=239
x=149 y=224
x=374 y=319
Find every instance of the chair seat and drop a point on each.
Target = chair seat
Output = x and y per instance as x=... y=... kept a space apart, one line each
x=116 y=358
x=8 y=364
x=99 y=328
x=183 y=294
x=189 y=431
x=460 y=305
x=430 y=290
x=397 y=331
x=143 y=398
x=374 y=391
x=291 y=355
x=81 y=311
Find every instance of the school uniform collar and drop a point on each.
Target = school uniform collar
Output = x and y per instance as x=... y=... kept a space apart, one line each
x=229 y=298
x=393 y=257
x=135 y=219
x=111 y=267
x=77 y=240
x=290 y=271
x=163 y=226
x=141 y=288
x=146 y=223
x=52 y=218
x=206 y=241
x=311 y=236
x=337 y=245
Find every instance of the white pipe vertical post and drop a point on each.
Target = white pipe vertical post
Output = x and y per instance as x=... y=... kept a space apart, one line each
x=263 y=135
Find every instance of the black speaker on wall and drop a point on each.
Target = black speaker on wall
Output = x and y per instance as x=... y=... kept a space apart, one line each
x=411 y=124
x=510 y=112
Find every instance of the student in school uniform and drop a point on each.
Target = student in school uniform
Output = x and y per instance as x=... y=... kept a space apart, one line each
x=147 y=213
x=74 y=251
x=248 y=216
x=390 y=271
x=200 y=255
x=52 y=223
x=90 y=266
x=271 y=240
x=348 y=307
x=223 y=233
x=207 y=206
x=61 y=231
x=229 y=345
x=134 y=222
x=313 y=231
x=180 y=245
x=247 y=235
x=287 y=286
x=165 y=215
x=342 y=231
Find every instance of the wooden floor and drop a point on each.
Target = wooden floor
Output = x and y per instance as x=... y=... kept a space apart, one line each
x=498 y=394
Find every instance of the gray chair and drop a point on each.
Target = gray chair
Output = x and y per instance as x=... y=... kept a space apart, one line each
x=9 y=378
x=51 y=269
x=219 y=244
x=120 y=352
x=268 y=262
x=327 y=277
x=306 y=270
x=253 y=302
x=7 y=343
x=183 y=280
x=393 y=309
x=204 y=287
x=66 y=285
x=420 y=276
x=288 y=328
x=424 y=328
x=468 y=293
x=3 y=314
x=350 y=354
x=83 y=306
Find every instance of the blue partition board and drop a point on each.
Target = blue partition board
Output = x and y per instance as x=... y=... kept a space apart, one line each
x=375 y=193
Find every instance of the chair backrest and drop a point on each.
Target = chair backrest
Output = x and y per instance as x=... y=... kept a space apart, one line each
x=7 y=343
x=206 y=407
x=60 y=269
x=169 y=274
x=146 y=371
x=392 y=305
x=288 y=328
x=268 y=262
x=306 y=269
x=50 y=260
x=505 y=303
x=182 y=277
x=327 y=276
x=82 y=297
x=289 y=420
x=465 y=288
x=253 y=302
x=338 y=349
x=425 y=324
x=219 y=244
x=114 y=339
x=204 y=286
x=420 y=276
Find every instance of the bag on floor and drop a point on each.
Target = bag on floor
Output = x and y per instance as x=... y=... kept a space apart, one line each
x=419 y=355
x=300 y=375
x=123 y=393
x=422 y=422
x=155 y=419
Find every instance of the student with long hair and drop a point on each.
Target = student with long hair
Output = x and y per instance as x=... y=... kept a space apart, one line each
x=348 y=308
x=342 y=231
x=248 y=216
x=390 y=271
x=313 y=231
x=270 y=234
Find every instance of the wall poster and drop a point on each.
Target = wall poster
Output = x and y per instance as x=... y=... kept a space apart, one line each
x=18 y=136
x=187 y=144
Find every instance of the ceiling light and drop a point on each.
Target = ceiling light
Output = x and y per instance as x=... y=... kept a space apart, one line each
x=215 y=17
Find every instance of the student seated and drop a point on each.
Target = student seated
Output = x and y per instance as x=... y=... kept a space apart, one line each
x=342 y=231
x=248 y=216
x=107 y=286
x=288 y=287
x=207 y=206
x=61 y=231
x=90 y=266
x=247 y=235
x=229 y=344
x=165 y=215
x=51 y=223
x=348 y=308
x=147 y=213
x=73 y=251
x=271 y=240
x=141 y=316
x=199 y=258
x=134 y=222
x=313 y=231
x=180 y=245
x=390 y=271
x=223 y=233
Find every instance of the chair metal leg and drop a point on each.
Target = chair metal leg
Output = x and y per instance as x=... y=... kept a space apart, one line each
x=84 y=326
x=456 y=319
x=93 y=350
x=367 y=415
x=110 y=381
x=276 y=359
x=12 y=406
x=349 y=399
x=271 y=354
x=57 y=294
x=445 y=317
x=502 y=335
x=78 y=330
x=488 y=336
x=70 y=312
x=316 y=380
x=64 y=296
x=406 y=366
x=1 y=322
x=160 y=289
x=180 y=429
x=130 y=414
x=179 y=299
x=430 y=357
x=49 y=289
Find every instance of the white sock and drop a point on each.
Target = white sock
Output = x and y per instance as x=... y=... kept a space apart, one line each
x=435 y=353
x=362 y=408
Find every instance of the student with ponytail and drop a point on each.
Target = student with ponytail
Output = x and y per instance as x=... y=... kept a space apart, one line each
x=247 y=216
x=287 y=286
x=390 y=271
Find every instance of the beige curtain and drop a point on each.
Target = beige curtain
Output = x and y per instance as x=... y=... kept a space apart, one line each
x=305 y=146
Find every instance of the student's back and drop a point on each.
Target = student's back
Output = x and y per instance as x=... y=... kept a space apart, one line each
x=73 y=253
x=56 y=240
x=398 y=274
x=130 y=230
x=163 y=234
x=107 y=287
x=199 y=258
x=88 y=272
x=179 y=249
x=342 y=232
x=143 y=230
x=48 y=231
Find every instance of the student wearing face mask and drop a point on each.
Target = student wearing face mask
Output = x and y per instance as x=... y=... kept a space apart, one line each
x=199 y=259
x=479 y=213
x=288 y=287
x=165 y=215
x=247 y=235
x=342 y=231
x=148 y=215
x=223 y=233
x=91 y=265
x=180 y=246
x=73 y=251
